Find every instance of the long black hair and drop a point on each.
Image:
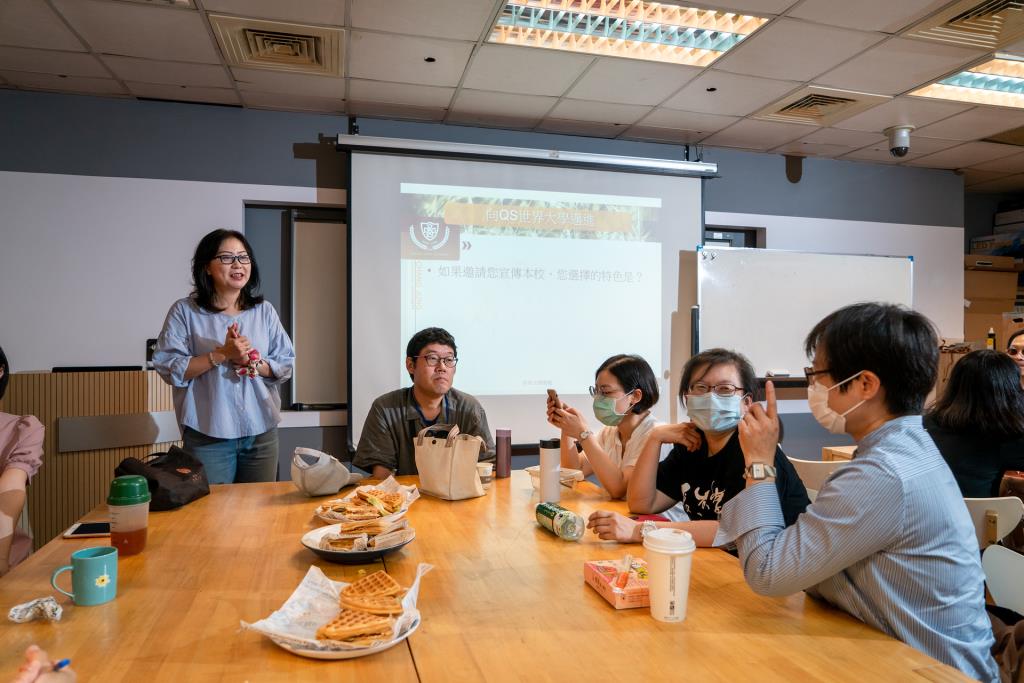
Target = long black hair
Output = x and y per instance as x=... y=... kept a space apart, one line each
x=203 y=292
x=7 y=372
x=983 y=396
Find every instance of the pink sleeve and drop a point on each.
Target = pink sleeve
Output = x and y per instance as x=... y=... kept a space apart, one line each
x=27 y=453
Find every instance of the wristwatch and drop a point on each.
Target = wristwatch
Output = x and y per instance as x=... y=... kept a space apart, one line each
x=584 y=435
x=646 y=527
x=759 y=471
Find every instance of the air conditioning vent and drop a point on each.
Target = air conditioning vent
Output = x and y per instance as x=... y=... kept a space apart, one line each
x=258 y=44
x=988 y=25
x=818 y=106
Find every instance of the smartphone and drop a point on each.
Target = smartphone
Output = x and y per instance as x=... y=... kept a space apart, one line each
x=553 y=395
x=88 y=530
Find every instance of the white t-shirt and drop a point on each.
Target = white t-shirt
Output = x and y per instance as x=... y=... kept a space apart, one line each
x=609 y=440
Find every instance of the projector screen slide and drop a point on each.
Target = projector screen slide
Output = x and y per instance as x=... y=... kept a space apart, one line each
x=540 y=273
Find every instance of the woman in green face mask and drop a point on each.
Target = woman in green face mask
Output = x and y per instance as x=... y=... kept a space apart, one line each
x=624 y=391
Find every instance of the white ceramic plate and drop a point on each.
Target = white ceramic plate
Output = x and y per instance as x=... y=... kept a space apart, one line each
x=346 y=654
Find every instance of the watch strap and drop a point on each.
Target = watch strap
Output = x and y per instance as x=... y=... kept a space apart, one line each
x=759 y=471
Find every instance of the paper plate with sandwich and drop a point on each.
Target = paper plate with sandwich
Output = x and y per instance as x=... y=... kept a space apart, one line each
x=325 y=619
x=386 y=501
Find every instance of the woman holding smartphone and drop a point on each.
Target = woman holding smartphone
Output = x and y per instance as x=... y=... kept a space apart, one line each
x=625 y=389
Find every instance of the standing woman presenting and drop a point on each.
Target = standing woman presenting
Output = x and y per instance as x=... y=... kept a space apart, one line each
x=224 y=351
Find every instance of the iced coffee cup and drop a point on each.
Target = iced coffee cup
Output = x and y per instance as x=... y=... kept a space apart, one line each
x=669 y=553
x=128 y=504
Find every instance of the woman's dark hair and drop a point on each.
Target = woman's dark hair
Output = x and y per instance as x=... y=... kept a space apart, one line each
x=1009 y=342
x=7 y=372
x=983 y=396
x=633 y=372
x=203 y=292
x=895 y=343
x=713 y=357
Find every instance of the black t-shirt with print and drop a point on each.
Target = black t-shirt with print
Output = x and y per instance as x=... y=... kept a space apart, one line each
x=704 y=483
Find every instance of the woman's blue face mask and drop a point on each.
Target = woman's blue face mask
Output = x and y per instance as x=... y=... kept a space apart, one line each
x=714 y=413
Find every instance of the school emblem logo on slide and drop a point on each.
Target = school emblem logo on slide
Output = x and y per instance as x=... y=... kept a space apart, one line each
x=428 y=235
x=430 y=239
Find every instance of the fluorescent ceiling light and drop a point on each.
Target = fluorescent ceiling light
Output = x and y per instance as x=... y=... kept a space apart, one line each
x=624 y=28
x=999 y=81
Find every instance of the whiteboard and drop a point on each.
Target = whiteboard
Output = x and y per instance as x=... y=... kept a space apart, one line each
x=763 y=302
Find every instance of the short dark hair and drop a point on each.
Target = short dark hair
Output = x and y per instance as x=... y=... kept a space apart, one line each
x=1013 y=336
x=983 y=396
x=633 y=372
x=719 y=356
x=895 y=343
x=424 y=338
x=7 y=372
x=203 y=291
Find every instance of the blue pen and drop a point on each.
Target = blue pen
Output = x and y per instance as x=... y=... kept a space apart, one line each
x=61 y=664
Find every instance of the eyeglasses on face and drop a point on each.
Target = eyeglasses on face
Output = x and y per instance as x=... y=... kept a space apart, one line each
x=724 y=390
x=810 y=372
x=432 y=360
x=228 y=259
x=594 y=391
x=1015 y=351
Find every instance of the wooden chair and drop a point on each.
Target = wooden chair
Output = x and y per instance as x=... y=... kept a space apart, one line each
x=1004 y=570
x=813 y=473
x=994 y=518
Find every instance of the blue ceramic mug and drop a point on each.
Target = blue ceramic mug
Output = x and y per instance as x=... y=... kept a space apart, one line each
x=93 y=575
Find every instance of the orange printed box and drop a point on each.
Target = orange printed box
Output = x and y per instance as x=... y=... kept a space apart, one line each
x=601 y=576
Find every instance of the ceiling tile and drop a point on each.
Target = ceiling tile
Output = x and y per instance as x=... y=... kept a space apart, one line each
x=168 y=73
x=381 y=57
x=918 y=147
x=524 y=70
x=1013 y=163
x=180 y=93
x=584 y=128
x=965 y=155
x=974 y=124
x=759 y=135
x=290 y=102
x=492 y=120
x=849 y=138
x=898 y=65
x=479 y=102
x=733 y=95
x=599 y=112
x=31 y=23
x=630 y=81
x=399 y=93
x=75 y=84
x=51 y=62
x=671 y=135
x=973 y=176
x=327 y=12
x=135 y=30
x=396 y=111
x=867 y=15
x=1010 y=183
x=455 y=19
x=795 y=50
x=687 y=120
x=265 y=80
x=811 y=149
x=902 y=111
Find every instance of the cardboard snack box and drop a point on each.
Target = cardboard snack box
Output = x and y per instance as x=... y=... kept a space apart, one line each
x=601 y=575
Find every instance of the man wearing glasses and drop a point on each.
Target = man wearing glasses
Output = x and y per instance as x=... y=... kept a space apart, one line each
x=386 y=444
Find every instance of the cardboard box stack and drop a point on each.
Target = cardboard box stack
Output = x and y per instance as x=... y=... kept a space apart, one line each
x=990 y=290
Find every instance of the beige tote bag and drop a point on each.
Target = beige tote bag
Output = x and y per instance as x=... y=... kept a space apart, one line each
x=447 y=466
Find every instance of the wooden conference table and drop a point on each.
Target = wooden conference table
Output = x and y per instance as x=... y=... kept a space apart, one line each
x=506 y=601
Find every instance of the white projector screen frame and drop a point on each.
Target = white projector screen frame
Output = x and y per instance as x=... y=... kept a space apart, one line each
x=377 y=342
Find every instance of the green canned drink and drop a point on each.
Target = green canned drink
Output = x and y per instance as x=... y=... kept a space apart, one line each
x=563 y=523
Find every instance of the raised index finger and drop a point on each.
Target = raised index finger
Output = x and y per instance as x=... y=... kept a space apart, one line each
x=769 y=397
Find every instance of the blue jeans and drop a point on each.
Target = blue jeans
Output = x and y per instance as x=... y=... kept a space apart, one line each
x=227 y=461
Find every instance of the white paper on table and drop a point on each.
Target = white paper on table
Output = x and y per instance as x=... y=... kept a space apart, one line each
x=315 y=602
x=410 y=494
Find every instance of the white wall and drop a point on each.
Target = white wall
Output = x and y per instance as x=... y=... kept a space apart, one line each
x=90 y=265
x=937 y=251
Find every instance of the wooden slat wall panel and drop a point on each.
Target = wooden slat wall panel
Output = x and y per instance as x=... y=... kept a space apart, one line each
x=70 y=484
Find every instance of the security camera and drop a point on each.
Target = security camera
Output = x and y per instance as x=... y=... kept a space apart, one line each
x=899 y=140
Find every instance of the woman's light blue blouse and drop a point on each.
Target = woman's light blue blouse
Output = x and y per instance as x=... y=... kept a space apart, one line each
x=219 y=403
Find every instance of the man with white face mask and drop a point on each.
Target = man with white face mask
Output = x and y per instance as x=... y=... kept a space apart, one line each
x=888 y=538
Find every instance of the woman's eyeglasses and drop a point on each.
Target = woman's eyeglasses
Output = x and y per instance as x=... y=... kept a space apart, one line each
x=228 y=259
x=723 y=390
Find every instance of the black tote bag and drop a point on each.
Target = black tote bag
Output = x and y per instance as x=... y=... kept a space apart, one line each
x=175 y=478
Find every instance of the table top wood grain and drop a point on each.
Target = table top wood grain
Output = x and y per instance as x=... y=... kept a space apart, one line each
x=506 y=600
